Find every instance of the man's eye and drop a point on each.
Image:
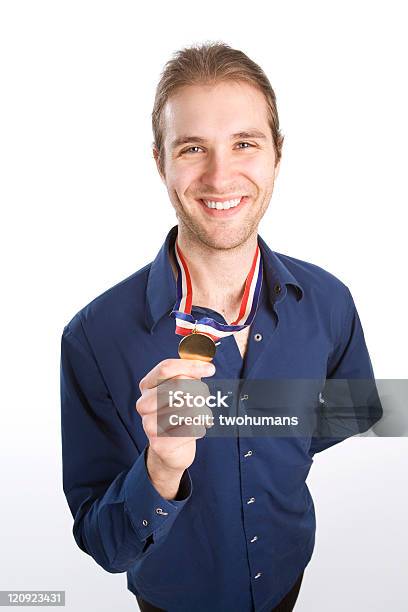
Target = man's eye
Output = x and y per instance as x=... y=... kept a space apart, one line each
x=245 y=143
x=190 y=149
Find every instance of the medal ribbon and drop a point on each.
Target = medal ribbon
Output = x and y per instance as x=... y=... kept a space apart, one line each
x=187 y=324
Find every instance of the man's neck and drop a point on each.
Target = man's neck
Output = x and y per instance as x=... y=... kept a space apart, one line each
x=217 y=275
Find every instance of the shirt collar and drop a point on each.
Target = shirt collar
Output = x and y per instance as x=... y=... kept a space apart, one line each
x=161 y=286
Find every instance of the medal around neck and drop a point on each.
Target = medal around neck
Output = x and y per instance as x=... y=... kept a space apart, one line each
x=200 y=337
x=197 y=346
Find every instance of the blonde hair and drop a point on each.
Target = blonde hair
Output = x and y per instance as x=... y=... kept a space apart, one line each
x=207 y=64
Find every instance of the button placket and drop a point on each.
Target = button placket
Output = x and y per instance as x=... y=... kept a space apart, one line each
x=254 y=538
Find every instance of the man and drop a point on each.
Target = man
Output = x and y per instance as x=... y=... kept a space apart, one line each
x=198 y=522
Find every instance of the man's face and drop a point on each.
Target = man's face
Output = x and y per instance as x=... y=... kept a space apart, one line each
x=218 y=148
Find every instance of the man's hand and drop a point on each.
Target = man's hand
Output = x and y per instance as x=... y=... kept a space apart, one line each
x=169 y=455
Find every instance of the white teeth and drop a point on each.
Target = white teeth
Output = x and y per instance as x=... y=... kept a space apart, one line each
x=222 y=205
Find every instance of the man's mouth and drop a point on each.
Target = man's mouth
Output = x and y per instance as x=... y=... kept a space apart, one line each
x=224 y=203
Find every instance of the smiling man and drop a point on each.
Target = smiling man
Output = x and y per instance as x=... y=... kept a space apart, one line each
x=203 y=523
x=219 y=163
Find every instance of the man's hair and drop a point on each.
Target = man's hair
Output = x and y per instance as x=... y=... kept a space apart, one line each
x=208 y=64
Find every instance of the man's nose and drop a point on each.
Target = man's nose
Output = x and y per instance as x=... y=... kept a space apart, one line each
x=218 y=171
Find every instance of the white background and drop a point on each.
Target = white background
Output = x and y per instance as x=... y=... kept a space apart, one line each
x=83 y=208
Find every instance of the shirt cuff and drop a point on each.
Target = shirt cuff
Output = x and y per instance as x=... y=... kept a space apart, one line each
x=149 y=512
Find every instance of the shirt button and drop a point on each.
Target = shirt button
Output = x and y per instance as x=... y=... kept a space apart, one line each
x=144 y=522
x=258 y=575
x=160 y=511
x=254 y=539
x=251 y=500
x=277 y=288
x=248 y=454
x=257 y=337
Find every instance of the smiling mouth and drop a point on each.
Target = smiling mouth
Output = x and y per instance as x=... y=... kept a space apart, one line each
x=224 y=204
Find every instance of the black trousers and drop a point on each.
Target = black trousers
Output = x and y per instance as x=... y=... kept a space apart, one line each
x=285 y=605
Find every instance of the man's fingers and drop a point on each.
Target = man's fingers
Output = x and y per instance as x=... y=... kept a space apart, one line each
x=157 y=399
x=170 y=368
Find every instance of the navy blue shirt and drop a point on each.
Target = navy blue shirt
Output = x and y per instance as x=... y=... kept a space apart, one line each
x=242 y=527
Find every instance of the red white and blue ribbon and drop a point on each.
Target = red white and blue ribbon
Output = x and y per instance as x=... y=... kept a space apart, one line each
x=186 y=323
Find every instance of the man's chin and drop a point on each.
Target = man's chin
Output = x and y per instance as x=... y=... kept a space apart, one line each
x=224 y=240
x=227 y=236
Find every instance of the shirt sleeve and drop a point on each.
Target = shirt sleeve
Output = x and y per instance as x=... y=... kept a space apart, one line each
x=119 y=516
x=350 y=402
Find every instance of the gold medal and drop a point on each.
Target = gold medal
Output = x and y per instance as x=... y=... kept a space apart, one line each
x=197 y=346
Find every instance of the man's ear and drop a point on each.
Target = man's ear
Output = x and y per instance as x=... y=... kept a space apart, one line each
x=277 y=168
x=158 y=164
